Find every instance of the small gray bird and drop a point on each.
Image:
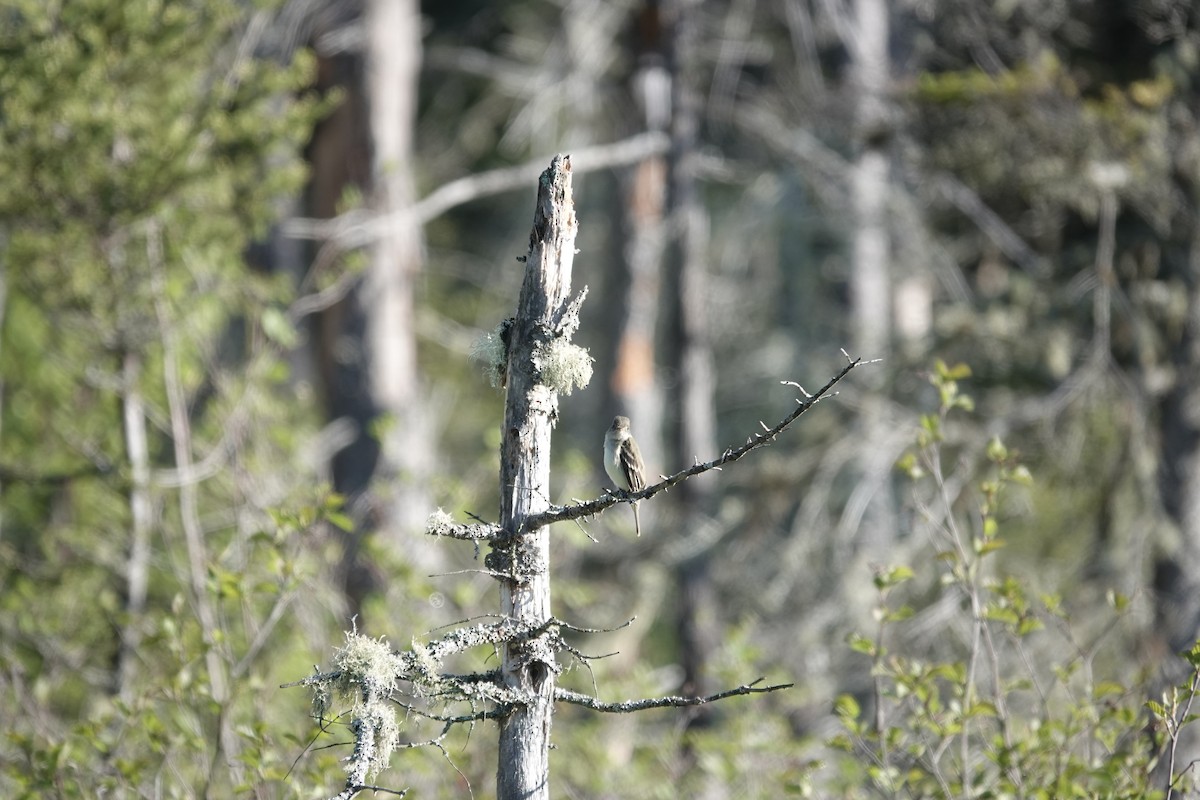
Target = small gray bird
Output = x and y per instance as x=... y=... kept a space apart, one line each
x=623 y=463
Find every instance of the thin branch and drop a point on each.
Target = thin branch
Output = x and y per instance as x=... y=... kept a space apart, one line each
x=629 y=706
x=263 y=634
x=574 y=629
x=181 y=433
x=757 y=440
x=584 y=658
x=479 y=716
x=323 y=726
x=491 y=573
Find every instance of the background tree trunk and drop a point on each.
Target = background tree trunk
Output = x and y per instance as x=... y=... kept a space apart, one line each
x=393 y=69
x=634 y=383
x=340 y=160
x=870 y=282
x=366 y=343
x=689 y=354
x=1176 y=578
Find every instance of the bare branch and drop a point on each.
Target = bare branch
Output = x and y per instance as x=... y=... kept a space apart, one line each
x=592 y=507
x=442 y=524
x=457 y=719
x=574 y=629
x=629 y=706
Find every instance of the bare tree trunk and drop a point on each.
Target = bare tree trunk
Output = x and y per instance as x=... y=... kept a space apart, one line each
x=3 y=313
x=393 y=67
x=528 y=666
x=339 y=156
x=634 y=381
x=366 y=344
x=870 y=281
x=1177 y=578
x=690 y=354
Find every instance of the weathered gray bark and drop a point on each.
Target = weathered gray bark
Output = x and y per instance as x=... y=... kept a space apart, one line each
x=528 y=665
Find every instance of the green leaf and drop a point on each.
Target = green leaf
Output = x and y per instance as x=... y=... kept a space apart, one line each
x=958 y=372
x=1117 y=600
x=1052 y=603
x=988 y=545
x=932 y=424
x=1108 y=689
x=982 y=708
x=846 y=707
x=861 y=644
x=910 y=466
x=1020 y=474
x=841 y=742
x=278 y=327
x=887 y=577
x=340 y=520
x=900 y=614
x=996 y=451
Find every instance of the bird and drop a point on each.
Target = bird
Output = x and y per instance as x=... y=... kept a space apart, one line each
x=623 y=463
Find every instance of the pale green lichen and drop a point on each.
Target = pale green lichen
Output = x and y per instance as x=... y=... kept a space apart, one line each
x=427 y=667
x=492 y=354
x=439 y=523
x=368 y=671
x=563 y=366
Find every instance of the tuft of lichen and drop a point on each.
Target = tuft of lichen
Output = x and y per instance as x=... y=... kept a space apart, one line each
x=563 y=366
x=368 y=671
x=439 y=523
x=492 y=354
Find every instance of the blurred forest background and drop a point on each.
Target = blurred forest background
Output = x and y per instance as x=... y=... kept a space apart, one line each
x=247 y=249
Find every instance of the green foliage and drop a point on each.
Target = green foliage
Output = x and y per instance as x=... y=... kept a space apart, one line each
x=145 y=146
x=1009 y=703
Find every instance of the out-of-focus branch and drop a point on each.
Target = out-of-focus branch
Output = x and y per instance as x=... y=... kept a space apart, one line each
x=189 y=508
x=360 y=227
x=990 y=224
